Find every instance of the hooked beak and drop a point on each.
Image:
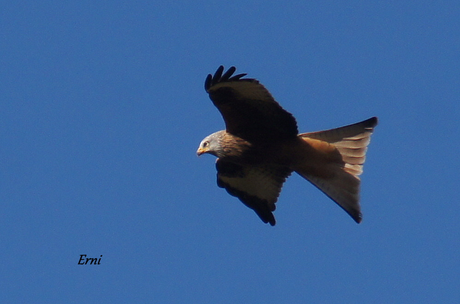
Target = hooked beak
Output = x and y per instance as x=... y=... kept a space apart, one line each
x=200 y=151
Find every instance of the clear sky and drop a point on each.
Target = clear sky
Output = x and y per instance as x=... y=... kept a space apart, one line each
x=103 y=108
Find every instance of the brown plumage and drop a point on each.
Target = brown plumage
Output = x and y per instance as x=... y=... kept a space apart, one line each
x=261 y=147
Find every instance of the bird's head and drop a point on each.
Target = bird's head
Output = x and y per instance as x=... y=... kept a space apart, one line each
x=211 y=144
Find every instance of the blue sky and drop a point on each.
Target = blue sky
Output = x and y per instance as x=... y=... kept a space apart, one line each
x=103 y=107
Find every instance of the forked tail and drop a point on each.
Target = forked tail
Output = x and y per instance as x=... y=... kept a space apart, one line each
x=342 y=182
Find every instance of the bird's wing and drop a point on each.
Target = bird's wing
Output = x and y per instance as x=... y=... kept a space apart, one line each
x=258 y=187
x=248 y=109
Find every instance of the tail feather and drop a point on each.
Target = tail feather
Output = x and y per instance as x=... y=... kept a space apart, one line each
x=343 y=184
x=342 y=189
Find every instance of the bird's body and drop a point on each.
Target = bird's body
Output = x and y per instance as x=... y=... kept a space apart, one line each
x=293 y=153
x=261 y=147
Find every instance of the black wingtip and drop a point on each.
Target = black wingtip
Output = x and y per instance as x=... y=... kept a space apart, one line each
x=237 y=77
x=207 y=82
x=227 y=74
x=217 y=75
x=220 y=76
x=266 y=216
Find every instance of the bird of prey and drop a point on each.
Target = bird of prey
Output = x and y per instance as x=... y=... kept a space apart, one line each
x=261 y=147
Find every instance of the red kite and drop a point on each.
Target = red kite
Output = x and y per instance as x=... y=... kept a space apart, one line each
x=261 y=147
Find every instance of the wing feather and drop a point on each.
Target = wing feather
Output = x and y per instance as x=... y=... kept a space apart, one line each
x=258 y=187
x=248 y=108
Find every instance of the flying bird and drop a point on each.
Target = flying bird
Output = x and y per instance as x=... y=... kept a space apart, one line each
x=261 y=146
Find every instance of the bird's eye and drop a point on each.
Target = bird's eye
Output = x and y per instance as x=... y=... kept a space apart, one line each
x=205 y=144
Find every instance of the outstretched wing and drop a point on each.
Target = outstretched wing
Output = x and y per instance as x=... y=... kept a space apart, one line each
x=258 y=187
x=248 y=109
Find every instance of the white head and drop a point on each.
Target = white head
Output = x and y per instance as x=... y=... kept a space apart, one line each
x=211 y=144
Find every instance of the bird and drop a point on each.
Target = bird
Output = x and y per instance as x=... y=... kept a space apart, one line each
x=261 y=147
